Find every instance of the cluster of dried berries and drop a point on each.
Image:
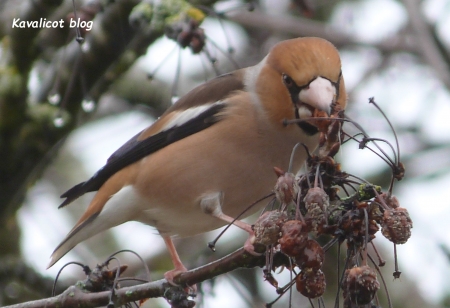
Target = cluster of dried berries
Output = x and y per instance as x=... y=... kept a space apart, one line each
x=187 y=32
x=308 y=255
x=319 y=203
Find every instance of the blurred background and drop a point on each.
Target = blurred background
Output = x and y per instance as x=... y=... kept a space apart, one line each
x=65 y=107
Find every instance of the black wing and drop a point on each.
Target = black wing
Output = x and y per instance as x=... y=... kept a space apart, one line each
x=134 y=150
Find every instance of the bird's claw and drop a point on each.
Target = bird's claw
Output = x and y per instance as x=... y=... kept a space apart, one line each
x=170 y=276
x=249 y=247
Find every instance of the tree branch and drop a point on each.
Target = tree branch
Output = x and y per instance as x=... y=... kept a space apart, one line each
x=75 y=296
x=425 y=42
x=299 y=26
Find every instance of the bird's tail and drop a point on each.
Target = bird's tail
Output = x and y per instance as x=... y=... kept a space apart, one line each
x=106 y=210
x=78 y=234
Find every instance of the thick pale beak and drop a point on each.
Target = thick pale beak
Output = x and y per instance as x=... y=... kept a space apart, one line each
x=319 y=94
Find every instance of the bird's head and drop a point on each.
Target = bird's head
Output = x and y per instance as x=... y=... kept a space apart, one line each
x=302 y=78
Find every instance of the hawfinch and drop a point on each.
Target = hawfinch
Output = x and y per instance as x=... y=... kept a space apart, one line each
x=212 y=153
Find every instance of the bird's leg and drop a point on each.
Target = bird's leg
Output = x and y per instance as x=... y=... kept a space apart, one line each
x=248 y=245
x=212 y=204
x=179 y=267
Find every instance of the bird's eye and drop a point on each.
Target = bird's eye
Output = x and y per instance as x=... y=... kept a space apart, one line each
x=288 y=81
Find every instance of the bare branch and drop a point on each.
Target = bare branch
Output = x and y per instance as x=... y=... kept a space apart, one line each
x=74 y=296
x=306 y=27
x=424 y=40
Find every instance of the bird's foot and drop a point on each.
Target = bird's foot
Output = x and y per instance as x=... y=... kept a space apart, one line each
x=249 y=247
x=178 y=270
x=170 y=276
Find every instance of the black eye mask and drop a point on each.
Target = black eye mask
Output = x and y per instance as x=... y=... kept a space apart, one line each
x=294 y=91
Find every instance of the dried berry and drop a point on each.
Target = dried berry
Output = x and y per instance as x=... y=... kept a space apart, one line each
x=353 y=225
x=360 y=285
x=316 y=204
x=311 y=283
x=312 y=256
x=268 y=226
x=294 y=238
x=396 y=225
x=286 y=188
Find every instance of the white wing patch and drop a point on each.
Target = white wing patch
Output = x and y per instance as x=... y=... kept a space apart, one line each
x=184 y=116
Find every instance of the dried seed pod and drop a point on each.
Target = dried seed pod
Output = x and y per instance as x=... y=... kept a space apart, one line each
x=102 y=278
x=286 y=188
x=360 y=285
x=322 y=139
x=334 y=149
x=269 y=278
x=294 y=238
x=316 y=204
x=331 y=131
x=334 y=129
x=268 y=226
x=311 y=283
x=399 y=171
x=312 y=256
x=396 y=225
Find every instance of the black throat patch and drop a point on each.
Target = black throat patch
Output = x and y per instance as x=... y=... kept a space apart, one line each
x=294 y=91
x=308 y=128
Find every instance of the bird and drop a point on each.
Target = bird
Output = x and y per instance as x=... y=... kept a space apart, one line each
x=212 y=153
